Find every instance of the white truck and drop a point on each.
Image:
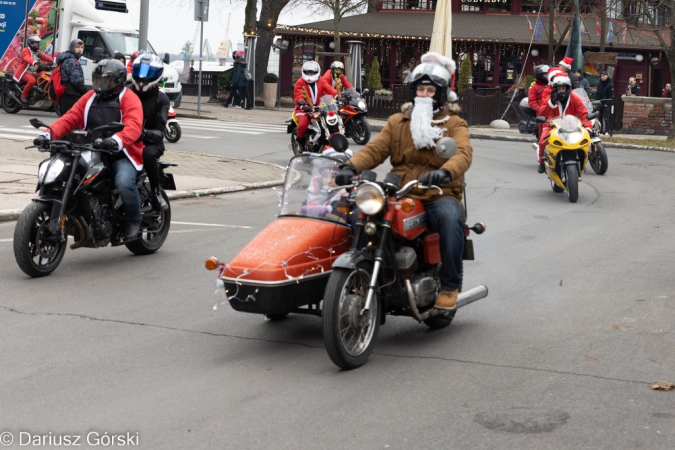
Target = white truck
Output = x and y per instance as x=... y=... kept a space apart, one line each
x=105 y=25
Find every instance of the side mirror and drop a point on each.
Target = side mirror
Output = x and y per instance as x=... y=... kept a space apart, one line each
x=98 y=54
x=365 y=91
x=446 y=147
x=37 y=123
x=302 y=102
x=540 y=119
x=167 y=59
x=339 y=142
x=592 y=115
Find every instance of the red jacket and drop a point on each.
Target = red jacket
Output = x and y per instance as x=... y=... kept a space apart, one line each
x=574 y=107
x=132 y=118
x=311 y=97
x=27 y=60
x=331 y=82
x=535 y=95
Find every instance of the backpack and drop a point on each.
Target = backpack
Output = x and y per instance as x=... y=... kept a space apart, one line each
x=56 y=87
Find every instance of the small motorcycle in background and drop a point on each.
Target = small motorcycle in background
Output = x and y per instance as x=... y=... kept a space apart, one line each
x=353 y=111
x=10 y=92
x=172 y=132
x=324 y=121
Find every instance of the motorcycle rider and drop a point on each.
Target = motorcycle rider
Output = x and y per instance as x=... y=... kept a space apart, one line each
x=536 y=92
x=309 y=89
x=146 y=73
x=31 y=56
x=110 y=101
x=408 y=140
x=336 y=71
x=72 y=76
x=562 y=101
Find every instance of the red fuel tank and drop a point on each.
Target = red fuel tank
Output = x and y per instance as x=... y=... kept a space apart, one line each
x=409 y=225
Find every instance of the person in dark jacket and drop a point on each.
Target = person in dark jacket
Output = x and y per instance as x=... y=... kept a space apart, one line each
x=633 y=88
x=583 y=82
x=72 y=76
x=239 y=81
x=605 y=92
x=146 y=73
x=120 y=57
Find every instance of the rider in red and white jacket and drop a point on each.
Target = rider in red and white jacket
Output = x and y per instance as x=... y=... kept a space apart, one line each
x=26 y=70
x=336 y=71
x=308 y=89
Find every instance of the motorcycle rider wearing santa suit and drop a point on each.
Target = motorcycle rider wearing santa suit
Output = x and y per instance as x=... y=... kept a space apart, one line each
x=408 y=140
x=337 y=71
x=31 y=56
x=562 y=101
x=110 y=101
x=309 y=88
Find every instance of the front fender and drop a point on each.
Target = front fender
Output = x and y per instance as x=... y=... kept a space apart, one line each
x=54 y=218
x=352 y=259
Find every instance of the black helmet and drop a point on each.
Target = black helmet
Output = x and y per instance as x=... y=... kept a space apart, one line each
x=564 y=82
x=541 y=73
x=108 y=78
x=435 y=74
x=34 y=43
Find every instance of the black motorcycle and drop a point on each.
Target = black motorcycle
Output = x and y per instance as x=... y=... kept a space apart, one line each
x=324 y=121
x=78 y=197
x=353 y=112
x=10 y=92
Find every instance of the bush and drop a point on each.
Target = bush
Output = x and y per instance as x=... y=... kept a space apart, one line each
x=464 y=73
x=528 y=81
x=270 y=78
x=373 y=78
x=225 y=81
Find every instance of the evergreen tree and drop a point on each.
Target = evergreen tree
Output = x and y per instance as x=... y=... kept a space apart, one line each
x=464 y=73
x=373 y=77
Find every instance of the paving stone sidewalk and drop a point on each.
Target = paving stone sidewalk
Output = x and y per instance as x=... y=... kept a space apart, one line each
x=196 y=175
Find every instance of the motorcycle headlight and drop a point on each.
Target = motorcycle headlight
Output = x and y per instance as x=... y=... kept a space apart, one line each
x=362 y=105
x=572 y=137
x=50 y=170
x=370 y=198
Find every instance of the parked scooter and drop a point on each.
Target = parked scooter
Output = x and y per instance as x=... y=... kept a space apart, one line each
x=78 y=197
x=10 y=92
x=353 y=110
x=324 y=122
x=391 y=268
x=172 y=132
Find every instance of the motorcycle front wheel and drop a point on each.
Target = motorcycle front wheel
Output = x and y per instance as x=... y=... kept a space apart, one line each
x=572 y=182
x=360 y=130
x=349 y=335
x=152 y=238
x=598 y=160
x=172 y=132
x=36 y=250
x=10 y=105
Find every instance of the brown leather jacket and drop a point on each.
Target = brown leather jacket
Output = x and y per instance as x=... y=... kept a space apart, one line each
x=395 y=142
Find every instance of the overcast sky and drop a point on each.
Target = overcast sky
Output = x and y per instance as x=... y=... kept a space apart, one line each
x=171 y=26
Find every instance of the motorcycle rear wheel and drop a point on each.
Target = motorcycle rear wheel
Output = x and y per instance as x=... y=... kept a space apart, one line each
x=348 y=335
x=173 y=133
x=360 y=131
x=598 y=160
x=10 y=105
x=151 y=239
x=572 y=182
x=295 y=146
x=34 y=252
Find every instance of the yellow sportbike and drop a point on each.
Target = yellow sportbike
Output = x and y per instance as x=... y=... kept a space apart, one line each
x=566 y=154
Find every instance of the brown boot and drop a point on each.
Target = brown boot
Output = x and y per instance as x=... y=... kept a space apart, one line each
x=446 y=300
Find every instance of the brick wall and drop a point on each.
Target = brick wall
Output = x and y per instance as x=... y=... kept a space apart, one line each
x=647 y=115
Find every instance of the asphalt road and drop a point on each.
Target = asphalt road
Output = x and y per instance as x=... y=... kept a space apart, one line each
x=559 y=355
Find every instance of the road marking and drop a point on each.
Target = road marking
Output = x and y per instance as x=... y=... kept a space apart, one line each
x=33 y=132
x=6 y=240
x=213 y=123
x=194 y=136
x=221 y=129
x=15 y=136
x=209 y=224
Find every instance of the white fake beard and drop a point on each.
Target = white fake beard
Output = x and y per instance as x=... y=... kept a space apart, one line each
x=424 y=134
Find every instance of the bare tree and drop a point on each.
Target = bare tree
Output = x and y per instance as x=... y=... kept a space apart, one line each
x=339 y=9
x=660 y=15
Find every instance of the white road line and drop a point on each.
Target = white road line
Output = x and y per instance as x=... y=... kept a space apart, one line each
x=34 y=132
x=209 y=224
x=172 y=231
x=222 y=129
x=6 y=240
x=194 y=136
x=231 y=127
x=213 y=123
x=16 y=137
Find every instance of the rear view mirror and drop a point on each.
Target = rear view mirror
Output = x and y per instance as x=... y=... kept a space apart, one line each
x=365 y=91
x=339 y=142
x=592 y=115
x=446 y=147
x=167 y=58
x=37 y=123
x=98 y=54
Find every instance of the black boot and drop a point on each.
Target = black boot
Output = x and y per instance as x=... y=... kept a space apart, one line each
x=541 y=168
x=158 y=201
x=302 y=144
x=24 y=101
x=132 y=231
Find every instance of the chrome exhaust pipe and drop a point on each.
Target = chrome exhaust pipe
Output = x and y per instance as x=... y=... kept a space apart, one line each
x=472 y=295
x=463 y=299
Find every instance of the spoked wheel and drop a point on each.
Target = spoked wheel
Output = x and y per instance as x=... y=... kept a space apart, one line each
x=172 y=133
x=153 y=237
x=36 y=250
x=348 y=334
x=572 y=182
x=360 y=130
x=10 y=105
x=598 y=159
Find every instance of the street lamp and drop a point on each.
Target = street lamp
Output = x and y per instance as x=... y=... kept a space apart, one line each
x=281 y=45
x=470 y=80
x=534 y=52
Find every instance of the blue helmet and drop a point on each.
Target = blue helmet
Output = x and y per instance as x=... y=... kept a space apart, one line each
x=146 y=71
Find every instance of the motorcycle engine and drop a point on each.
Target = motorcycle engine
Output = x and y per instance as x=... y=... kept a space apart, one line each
x=424 y=288
x=406 y=260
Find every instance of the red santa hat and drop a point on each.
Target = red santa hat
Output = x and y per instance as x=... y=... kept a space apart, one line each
x=554 y=72
x=566 y=62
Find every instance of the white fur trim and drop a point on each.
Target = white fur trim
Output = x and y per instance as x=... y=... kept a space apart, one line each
x=447 y=62
x=552 y=105
x=118 y=140
x=564 y=64
x=452 y=96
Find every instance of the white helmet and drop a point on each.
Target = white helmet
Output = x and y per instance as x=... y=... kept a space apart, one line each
x=311 y=66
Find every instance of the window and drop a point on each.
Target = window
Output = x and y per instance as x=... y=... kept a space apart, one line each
x=499 y=6
x=530 y=6
x=305 y=51
x=91 y=39
x=466 y=6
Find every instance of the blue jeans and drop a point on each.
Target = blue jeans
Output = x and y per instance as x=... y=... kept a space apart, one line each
x=447 y=218
x=125 y=182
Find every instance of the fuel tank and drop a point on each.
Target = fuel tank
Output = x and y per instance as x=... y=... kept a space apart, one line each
x=409 y=225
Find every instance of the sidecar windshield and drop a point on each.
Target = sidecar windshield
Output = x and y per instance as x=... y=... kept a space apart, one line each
x=309 y=188
x=567 y=123
x=328 y=103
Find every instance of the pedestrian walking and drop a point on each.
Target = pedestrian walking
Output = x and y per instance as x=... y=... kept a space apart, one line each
x=605 y=94
x=239 y=90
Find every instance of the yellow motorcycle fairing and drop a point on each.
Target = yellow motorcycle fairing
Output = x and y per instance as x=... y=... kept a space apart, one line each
x=568 y=136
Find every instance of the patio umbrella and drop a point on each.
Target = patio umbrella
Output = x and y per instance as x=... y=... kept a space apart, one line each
x=441 y=40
